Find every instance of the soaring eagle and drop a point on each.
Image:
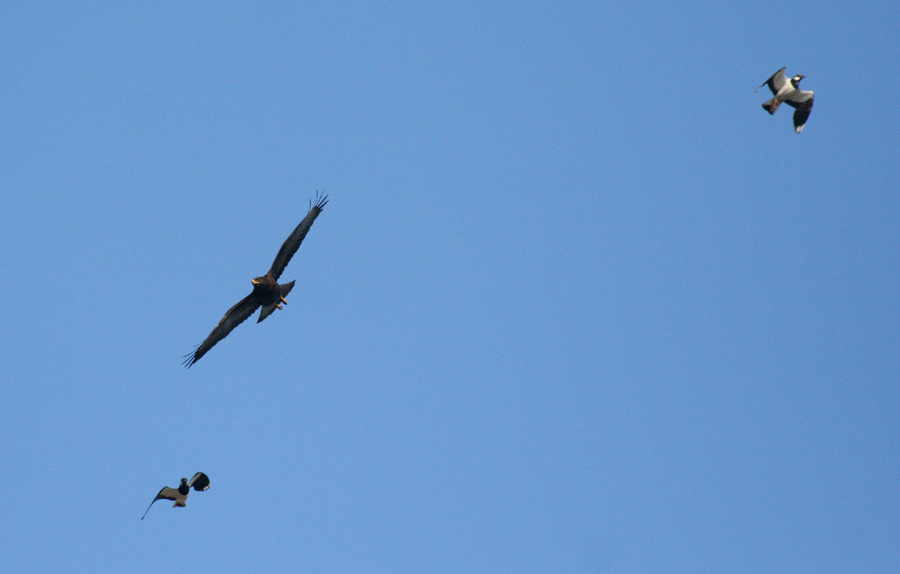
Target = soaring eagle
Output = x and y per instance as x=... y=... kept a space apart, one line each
x=199 y=481
x=267 y=293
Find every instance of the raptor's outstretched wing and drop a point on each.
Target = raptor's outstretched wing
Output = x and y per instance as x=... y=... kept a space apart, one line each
x=296 y=237
x=234 y=317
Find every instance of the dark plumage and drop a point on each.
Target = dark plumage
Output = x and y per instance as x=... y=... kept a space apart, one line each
x=267 y=293
x=199 y=481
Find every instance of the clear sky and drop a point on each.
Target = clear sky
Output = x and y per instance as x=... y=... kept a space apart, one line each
x=577 y=303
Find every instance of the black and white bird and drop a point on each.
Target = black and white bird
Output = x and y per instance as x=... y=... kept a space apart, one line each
x=200 y=482
x=788 y=91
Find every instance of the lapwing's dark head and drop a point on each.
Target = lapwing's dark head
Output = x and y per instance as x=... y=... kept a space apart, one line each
x=798 y=77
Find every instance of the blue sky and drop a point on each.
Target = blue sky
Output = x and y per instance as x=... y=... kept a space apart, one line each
x=577 y=303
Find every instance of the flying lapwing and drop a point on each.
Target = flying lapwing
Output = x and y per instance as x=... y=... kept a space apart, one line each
x=200 y=482
x=788 y=91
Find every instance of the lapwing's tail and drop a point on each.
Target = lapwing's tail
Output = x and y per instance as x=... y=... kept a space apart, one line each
x=772 y=105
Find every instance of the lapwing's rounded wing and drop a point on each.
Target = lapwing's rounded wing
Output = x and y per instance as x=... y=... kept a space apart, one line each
x=234 y=317
x=776 y=82
x=290 y=247
x=802 y=102
x=200 y=482
x=166 y=493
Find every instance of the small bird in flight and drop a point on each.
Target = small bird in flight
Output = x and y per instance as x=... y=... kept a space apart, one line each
x=267 y=293
x=788 y=91
x=199 y=481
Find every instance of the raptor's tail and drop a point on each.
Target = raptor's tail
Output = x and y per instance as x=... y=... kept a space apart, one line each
x=267 y=310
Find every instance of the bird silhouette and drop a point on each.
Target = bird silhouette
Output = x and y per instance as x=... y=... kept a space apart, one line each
x=788 y=91
x=267 y=293
x=199 y=481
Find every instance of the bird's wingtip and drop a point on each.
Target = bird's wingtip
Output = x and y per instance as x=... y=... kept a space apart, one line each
x=321 y=200
x=189 y=359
